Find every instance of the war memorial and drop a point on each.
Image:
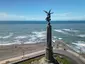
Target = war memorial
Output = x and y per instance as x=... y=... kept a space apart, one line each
x=50 y=55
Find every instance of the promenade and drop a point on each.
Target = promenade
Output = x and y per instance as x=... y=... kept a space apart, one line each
x=60 y=50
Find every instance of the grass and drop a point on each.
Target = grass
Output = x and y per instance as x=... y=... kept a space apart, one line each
x=63 y=59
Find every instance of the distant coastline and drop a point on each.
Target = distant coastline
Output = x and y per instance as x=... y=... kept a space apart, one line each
x=40 y=22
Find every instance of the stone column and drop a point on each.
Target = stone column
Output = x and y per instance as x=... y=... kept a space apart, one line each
x=49 y=51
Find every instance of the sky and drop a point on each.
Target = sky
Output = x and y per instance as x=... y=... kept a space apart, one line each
x=33 y=9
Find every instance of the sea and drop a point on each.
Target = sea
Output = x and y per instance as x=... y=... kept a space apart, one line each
x=30 y=32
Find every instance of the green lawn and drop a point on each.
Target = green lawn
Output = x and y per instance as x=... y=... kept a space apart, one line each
x=63 y=60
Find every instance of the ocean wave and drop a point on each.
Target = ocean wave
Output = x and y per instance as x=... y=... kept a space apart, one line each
x=80 y=45
x=21 y=37
x=70 y=30
x=10 y=42
x=60 y=38
x=7 y=44
x=29 y=42
x=33 y=37
x=54 y=38
x=8 y=36
x=60 y=31
x=37 y=36
x=81 y=35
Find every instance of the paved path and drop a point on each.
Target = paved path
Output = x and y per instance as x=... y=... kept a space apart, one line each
x=69 y=49
x=70 y=55
x=64 y=45
x=66 y=53
x=20 y=57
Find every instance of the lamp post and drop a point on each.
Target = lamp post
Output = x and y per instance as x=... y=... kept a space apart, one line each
x=49 y=49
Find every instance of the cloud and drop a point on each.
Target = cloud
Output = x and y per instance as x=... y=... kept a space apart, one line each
x=57 y=16
x=68 y=16
x=62 y=14
x=6 y=16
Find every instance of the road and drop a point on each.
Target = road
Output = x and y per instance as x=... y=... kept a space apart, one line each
x=63 y=52
x=20 y=57
x=70 y=55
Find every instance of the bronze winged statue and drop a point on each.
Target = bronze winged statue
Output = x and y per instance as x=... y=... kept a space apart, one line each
x=48 y=18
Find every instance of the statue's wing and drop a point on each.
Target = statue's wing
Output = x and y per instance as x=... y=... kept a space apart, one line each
x=49 y=10
x=45 y=11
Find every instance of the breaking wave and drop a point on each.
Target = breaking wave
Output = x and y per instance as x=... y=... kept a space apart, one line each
x=21 y=37
x=81 y=35
x=60 y=31
x=70 y=30
x=10 y=42
x=8 y=36
x=79 y=45
x=37 y=36
x=33 y=37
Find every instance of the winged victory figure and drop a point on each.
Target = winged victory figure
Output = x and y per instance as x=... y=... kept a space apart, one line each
x=48 y=18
